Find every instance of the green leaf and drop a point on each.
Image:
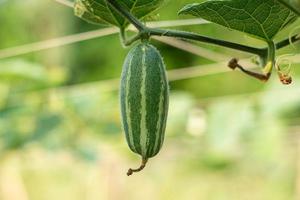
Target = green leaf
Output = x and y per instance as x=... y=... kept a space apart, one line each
x=260 y=18
x=99 y=12
x=293 y=5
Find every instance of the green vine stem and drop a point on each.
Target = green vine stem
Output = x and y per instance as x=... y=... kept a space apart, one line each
x=144 y=30
x=200 y=38
x=181 y=34
x=286 y=42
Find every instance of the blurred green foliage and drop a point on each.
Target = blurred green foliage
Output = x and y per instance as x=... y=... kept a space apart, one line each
x=228 y=136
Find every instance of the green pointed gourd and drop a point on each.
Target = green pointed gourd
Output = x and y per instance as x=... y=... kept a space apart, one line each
x=144 y=96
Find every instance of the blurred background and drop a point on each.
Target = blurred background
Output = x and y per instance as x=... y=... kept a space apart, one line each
x=229 y=137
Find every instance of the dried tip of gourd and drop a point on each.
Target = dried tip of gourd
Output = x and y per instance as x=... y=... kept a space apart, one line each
x=143 y=165
x=233 y=63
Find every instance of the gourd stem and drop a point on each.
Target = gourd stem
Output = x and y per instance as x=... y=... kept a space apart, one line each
x=128 y=41
x=143 y=165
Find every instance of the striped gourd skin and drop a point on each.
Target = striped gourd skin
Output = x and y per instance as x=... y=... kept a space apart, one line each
x=144 y=96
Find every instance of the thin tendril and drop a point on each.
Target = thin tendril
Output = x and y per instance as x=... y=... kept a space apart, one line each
x=284 y=60
x=285 y=71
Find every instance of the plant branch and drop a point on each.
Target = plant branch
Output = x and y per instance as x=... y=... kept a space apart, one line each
x=181 y=34
x=144 y=31
x=288 y=41
x=133 y=20
x=205 y=39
